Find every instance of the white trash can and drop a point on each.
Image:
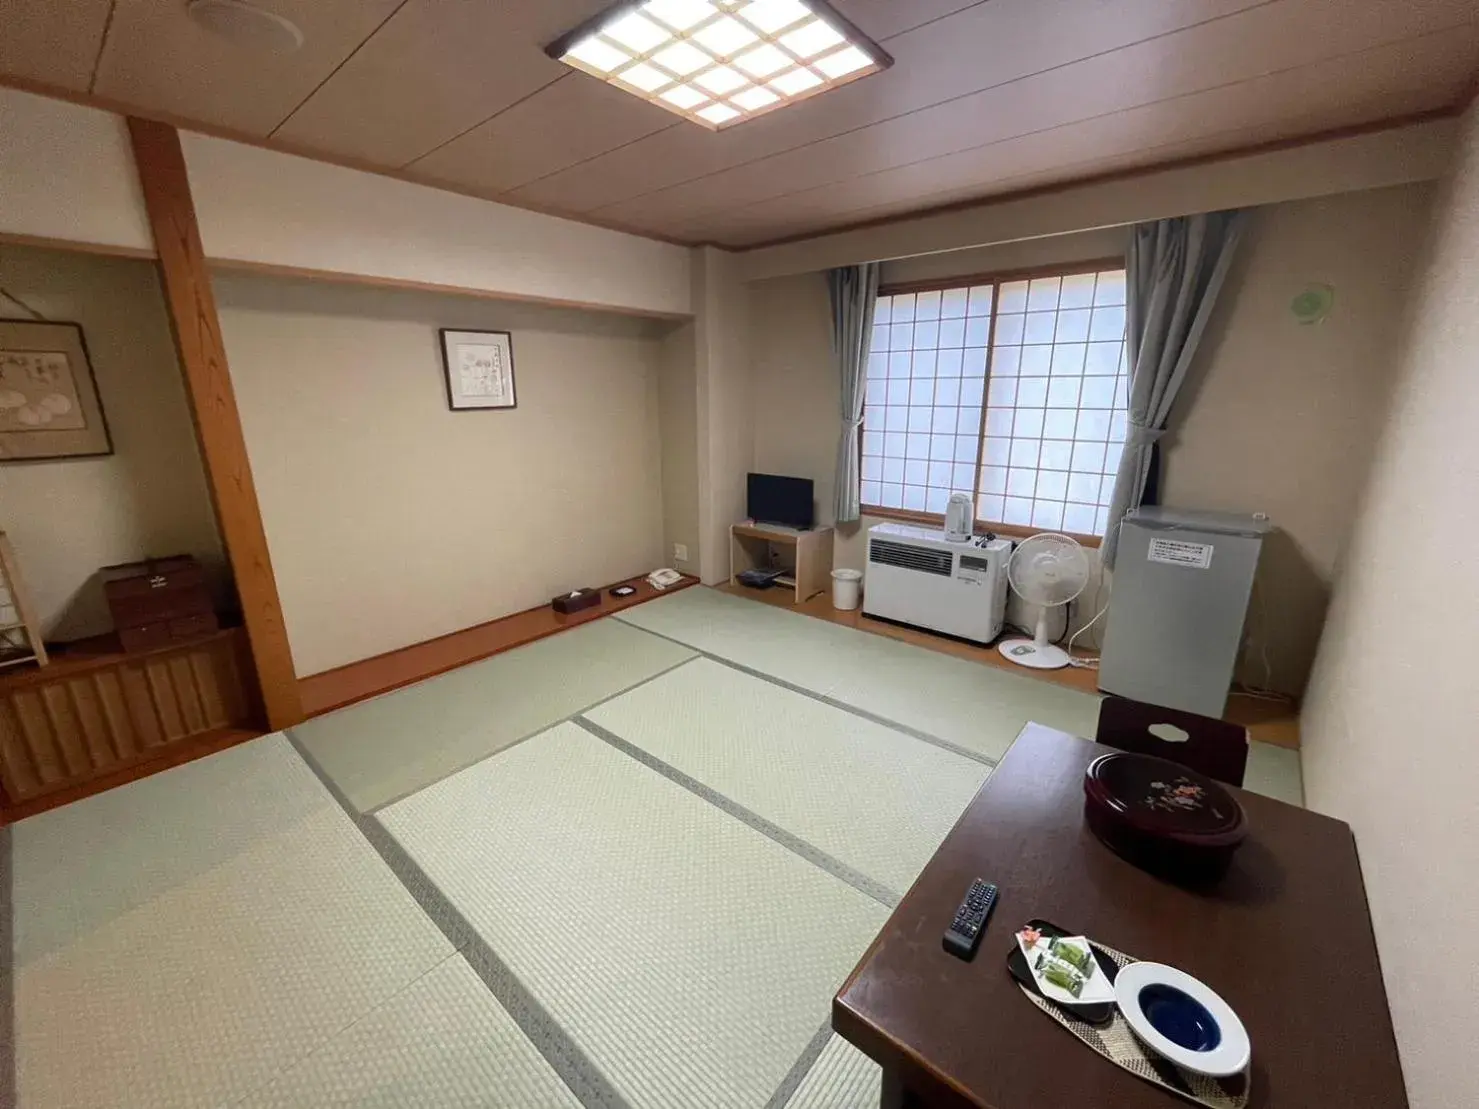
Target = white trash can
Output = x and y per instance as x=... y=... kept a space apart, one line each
x=847 y=587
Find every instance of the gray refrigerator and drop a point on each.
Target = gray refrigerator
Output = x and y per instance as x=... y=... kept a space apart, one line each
x=1181 y=585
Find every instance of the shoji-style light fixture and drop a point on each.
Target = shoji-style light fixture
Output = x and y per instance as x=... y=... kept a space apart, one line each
x=721 y=62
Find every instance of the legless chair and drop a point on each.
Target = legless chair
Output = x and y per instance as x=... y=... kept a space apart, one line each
x=1211 y=747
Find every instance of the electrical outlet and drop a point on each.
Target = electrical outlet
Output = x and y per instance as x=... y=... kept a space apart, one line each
x=680 y=552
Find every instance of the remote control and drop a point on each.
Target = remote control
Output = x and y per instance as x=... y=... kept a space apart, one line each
x=964 y=933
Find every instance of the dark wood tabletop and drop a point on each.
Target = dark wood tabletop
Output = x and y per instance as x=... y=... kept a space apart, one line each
x=1285 y=938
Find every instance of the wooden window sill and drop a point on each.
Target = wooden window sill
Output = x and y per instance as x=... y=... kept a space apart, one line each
x=1011 y=531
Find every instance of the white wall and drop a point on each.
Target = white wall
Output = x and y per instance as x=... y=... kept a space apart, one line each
x=1388 y=728
x=1280 y=417
x=728 y=408
x=263 y=207
x=67 y=173
x=69 y=517
x=1276 y=417
x=678 y=416
x=391 y=519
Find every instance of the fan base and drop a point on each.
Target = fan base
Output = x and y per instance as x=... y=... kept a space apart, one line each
x=1024 y=652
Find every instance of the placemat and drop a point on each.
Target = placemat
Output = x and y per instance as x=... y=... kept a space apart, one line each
x=1117 y=1043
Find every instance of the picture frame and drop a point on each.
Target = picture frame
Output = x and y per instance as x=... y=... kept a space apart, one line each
x=479 y=369
x=49 y=404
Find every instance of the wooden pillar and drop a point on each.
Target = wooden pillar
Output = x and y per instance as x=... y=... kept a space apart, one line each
x=192 y=308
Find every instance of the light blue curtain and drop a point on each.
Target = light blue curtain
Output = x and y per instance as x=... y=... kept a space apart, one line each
x=854 y=291
x=1174 y=271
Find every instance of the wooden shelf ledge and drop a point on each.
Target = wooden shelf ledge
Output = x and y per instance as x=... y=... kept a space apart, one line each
x=358 y=681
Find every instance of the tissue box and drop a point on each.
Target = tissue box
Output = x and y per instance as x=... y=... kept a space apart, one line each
x=566 y=603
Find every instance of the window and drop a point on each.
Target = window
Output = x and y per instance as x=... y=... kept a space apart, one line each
x=1011 y=390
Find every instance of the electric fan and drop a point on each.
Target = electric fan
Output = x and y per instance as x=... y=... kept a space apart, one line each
x=1045 y=570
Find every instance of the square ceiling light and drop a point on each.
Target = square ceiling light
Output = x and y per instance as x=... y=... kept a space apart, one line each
x=721 y=62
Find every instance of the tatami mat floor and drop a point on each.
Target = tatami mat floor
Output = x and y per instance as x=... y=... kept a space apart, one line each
x=623 y=867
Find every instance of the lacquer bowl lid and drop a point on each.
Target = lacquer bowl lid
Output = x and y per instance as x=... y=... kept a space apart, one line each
x=1163 y=798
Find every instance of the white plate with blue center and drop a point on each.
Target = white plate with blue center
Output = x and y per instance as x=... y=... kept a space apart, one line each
x=1182 y=1019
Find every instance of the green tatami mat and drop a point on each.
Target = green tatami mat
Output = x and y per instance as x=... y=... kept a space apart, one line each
x=841 y=1078
x=1275 y=772
x=182 y=940
x=443 y=1042
x=874 y=799
x=689 y=958
x=801 y=650
x=387 y=748
x=969 y=705
x=976 y=707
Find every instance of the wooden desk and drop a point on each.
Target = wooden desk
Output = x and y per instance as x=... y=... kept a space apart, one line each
x=809 y=564
x=961 y=1034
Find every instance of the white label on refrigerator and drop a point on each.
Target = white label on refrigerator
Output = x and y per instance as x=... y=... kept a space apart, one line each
x=1178 y=552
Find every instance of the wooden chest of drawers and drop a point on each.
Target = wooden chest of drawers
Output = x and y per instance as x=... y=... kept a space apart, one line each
x=159 y=602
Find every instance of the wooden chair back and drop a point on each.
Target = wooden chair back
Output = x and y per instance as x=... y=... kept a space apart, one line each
x=1211 y=747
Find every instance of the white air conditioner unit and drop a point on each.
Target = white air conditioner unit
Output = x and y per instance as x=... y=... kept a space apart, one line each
x=915 y=577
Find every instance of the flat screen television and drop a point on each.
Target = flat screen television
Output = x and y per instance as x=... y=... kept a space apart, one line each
x=780 y=500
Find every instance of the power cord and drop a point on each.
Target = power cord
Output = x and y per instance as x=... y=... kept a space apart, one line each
x=1085 y=663
x=1089 y=663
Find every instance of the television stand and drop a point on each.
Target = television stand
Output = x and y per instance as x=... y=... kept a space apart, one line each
x=807 y=556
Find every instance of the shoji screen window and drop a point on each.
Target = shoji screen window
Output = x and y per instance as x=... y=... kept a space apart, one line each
x=1011 y=390
x=926 y=384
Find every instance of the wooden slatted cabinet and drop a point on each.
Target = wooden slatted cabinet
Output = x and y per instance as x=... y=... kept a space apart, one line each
x=95 y=710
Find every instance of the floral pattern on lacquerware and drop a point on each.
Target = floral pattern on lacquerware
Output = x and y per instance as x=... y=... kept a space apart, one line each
x=1181 y=795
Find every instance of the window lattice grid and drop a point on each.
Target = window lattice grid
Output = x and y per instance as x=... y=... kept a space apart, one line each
x=926 y=383
x=1051 y=430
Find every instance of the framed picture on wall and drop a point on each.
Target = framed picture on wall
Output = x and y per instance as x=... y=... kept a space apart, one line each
x=49 y=405
x=480 y=369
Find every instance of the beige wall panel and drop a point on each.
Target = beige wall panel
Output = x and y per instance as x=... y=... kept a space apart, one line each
x=67 y=173
x=393 y=519
x=69 y=517
x=1388 y=727
x=678 y=417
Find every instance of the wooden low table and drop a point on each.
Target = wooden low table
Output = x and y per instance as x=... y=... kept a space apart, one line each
x=1286 y=938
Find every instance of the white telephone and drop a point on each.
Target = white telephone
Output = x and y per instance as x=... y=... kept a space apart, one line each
x=661 y=579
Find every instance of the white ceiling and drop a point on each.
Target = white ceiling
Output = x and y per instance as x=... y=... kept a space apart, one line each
x=984 y=98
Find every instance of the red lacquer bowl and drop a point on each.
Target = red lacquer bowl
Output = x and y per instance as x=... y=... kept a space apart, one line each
x=1162 y=816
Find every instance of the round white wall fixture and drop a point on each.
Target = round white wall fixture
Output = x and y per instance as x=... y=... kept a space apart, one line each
x=245 y=25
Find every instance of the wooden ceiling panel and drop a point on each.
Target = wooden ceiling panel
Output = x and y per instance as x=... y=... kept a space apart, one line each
x=805 y=215
x=435 y=70
x=161 y=60
x=881 y=19
x=983 y=46
x=985 y=97
x=1404 y=78
x=52 y=41
x=1250 y=44
x=575 y=118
